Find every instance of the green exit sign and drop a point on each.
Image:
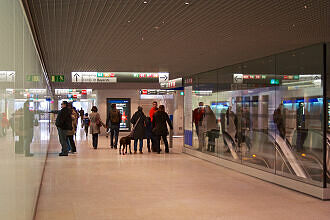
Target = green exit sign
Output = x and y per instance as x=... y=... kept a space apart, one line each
x=33 y=78
x=58 y=78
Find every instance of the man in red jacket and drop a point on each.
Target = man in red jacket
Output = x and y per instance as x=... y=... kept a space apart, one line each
x=198 y=115
x=153 y=109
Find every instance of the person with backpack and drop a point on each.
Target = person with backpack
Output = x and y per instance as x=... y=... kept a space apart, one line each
x=138 y=120
x=86 y=123
x=113 y=122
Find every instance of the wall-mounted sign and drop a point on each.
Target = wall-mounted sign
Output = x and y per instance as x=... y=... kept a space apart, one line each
x=156 y=92
x=57 y=78
x=114 y=77
x=171 y=84
x=73 y=91
x=33 y=78
x=7 y=76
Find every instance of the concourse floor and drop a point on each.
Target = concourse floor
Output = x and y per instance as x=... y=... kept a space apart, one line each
x=101 y=185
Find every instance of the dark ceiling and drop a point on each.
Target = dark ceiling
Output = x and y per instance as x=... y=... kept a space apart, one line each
x=182 y=37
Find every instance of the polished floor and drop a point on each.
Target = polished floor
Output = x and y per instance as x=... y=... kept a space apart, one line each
x=101 y=185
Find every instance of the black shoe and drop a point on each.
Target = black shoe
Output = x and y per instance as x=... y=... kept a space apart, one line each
x=158 y=152
x=167 y=151
x=111 y=147
x=62 y=154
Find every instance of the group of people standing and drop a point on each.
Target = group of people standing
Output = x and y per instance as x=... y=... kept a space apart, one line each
x=152 y=128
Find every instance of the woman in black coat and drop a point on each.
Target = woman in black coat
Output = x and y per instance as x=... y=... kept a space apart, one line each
x=138 y=121
x=160 y=127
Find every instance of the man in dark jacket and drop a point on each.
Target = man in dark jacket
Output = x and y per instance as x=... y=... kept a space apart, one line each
x=64 y=125
x=160 y=127
x=113 y=122
x=138 y=120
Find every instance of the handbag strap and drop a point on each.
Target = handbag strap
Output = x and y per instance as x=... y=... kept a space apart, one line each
x=136 y=124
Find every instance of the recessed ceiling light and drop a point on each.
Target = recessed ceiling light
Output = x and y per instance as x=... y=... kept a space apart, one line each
x=129 y=21
x=305 y=6
x=187 y=3
x=156 y=27
x=145 y=2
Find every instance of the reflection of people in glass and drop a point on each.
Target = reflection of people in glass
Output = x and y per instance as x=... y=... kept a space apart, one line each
x=4 y=124
x=242 y=125
x=279 y=120
x=209 y=125
x=231 y=121
x=198 y=115
x=302 y=131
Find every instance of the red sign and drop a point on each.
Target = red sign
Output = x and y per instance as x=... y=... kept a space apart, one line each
x=144 y=92
x=84 y=92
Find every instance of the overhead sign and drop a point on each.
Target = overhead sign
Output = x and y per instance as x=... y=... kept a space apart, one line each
x=238 y=78
x=73 y=91
x=114 y=77
x=273 y=79
x=33 y=78
x=57 y=78
x=156 y=92
x=7 y=76
x=174 y=83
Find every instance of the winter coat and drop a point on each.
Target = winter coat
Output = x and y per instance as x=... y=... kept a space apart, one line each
x=152 y=111
x=64 y=120
x=94 y=128
x=148 y=129
x=74 y=117
x=159 y=123
x=139 y=130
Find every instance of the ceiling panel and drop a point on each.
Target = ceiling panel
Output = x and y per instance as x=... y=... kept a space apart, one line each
x=170 y=35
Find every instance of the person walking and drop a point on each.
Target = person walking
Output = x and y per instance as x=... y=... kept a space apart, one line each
x=87 y=122
x=64 y=125
x=113 y=122
x=74 y=117
x=82 y=113
x=96 y=124
x=209 y=127
x=160 y=128
x=138 y=120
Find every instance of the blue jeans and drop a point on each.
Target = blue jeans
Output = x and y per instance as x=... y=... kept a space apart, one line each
x=114 y=130
x=62 y=135
x=95 y=140
x=136 y=142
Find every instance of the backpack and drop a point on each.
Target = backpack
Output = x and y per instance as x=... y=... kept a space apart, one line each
x=114 y=116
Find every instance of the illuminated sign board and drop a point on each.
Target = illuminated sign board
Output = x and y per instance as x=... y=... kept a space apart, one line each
x=273 y=79
x=124 y=106
x=115 y=77
x=156 y=92
x=73 y=91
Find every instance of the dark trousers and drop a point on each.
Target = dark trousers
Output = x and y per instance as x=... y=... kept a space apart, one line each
x=158 y=137
x=136 y=142
x=95 y=140
x=301 y=137
x=71 y=142
x=86 y=130
x=114 y=130
x=62 y=137
x=148 y=143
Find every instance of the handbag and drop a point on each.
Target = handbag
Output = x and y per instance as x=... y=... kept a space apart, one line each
x=133 y=129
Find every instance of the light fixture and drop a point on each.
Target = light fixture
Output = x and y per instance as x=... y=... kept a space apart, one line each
x=186 y=3
x=145 y=2
x=129 y=21
x=305 y=6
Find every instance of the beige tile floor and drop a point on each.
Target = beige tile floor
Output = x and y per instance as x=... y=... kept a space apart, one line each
x=101 y=185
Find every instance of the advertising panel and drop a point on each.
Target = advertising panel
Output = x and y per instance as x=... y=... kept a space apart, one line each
x=124 y=106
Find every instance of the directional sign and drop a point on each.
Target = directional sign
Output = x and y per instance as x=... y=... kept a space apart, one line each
x=33 y=78
x=238 y=78
x=163 y=77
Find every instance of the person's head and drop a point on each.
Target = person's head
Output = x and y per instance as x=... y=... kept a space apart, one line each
x=94 y=109
x=154 y=104
x=208 y=109
x=113 y=106
x=161 y=108
x=140 y=109
x=201 y=104
x=301 y=104
x=74 y=108
x=69 y=105
x=229 y=108
x=64 y=104
x=86 y=114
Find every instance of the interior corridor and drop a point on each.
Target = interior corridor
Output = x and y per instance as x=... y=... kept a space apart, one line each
x=101 y=184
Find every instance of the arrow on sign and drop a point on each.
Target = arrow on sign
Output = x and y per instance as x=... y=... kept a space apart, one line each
x=163 y=77
x=76 y=75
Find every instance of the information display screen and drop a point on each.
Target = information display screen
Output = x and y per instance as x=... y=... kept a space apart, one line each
x=124 y=106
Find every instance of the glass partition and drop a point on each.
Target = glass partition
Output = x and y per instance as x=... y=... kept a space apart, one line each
x=24 y=107
x=265 y=113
